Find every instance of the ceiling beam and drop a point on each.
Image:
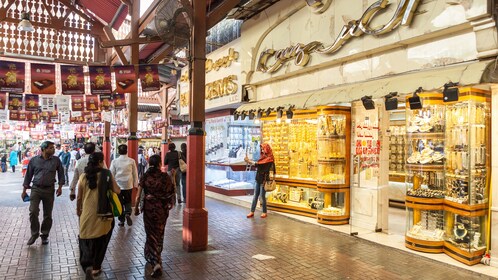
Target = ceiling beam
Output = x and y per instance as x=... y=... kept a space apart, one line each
x=165 y=53
x=128 y=42
x=220 y=12
x=119 y=51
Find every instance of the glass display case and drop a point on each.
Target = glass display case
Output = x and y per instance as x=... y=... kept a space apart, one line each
x=312 y=152
x=228 y=142
x=397 y=155
x=467 y=178
x=424 y=167
x=295 y=199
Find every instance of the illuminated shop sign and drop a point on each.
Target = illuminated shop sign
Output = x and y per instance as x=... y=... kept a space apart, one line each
x=300 y=53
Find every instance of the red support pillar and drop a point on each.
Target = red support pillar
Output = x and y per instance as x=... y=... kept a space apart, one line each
x=164 y=116
x=106 y=146
x=195 y=215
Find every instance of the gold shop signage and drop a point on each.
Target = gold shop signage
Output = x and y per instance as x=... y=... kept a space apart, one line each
x=300 y=53
x=219 y=88
x=224 y=62
x=223 y=87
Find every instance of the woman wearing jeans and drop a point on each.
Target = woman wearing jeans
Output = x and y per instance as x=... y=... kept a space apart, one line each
x=264 y=165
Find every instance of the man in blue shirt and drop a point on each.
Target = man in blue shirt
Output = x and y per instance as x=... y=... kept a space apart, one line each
x=65 y=157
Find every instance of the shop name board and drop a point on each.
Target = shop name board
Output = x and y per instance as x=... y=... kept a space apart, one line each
x=301 y=53
x=223 y=62
x=219 y=88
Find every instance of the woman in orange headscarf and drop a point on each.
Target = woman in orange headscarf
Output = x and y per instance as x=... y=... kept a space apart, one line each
x=264 y=165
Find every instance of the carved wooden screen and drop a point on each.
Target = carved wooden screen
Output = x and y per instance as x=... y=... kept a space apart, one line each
x=60 y=32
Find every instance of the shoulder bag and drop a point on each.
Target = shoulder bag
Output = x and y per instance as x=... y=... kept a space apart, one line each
x=116 y=207
x=271 y=185
x=183 y=164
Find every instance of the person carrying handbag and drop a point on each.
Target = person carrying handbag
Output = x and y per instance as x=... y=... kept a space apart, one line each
x=264 y=165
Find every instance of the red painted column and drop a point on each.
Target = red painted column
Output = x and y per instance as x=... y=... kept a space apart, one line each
x=195 y=222
x=133 y=153
x=106 y=147
x=195 y=216
x=164 y=150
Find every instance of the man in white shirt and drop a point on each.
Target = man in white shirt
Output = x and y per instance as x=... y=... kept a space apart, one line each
x=124 y=170
x=80 y=168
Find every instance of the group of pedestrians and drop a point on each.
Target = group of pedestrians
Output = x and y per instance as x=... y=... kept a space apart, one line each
x=89 y=186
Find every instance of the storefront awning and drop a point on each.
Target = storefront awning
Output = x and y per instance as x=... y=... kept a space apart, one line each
x=429 y=80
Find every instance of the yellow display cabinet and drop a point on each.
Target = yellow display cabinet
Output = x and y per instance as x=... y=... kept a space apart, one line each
x=312 y=157
x=467 y=175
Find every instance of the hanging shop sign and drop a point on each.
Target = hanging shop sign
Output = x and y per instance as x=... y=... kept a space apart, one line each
x=42 y=78
x=72 y=79
x=149 y=77
x=272 y=60
x=77 y=103
x=15 y=101
x=105 y=102
x=12 y=76
x=31 y=102
x=92 y=102
x=100 y=79
x=125 y=79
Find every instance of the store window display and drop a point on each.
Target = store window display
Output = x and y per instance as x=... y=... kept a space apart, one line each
x=228 y=142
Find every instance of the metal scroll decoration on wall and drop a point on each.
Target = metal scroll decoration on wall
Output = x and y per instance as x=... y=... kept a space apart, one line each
x=318 y=6
x=301 y=53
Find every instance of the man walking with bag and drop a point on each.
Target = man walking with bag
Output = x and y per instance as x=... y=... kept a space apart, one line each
x=41 y=170
x=124 y=171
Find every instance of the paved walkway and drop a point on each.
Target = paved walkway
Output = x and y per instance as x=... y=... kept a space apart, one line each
x=300 y=250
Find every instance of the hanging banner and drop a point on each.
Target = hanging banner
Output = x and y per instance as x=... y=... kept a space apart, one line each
x=100 y=79
x=32 y=102
x=54 y=116
x=78 y=103
x=15 y=101
x=92 y=102
x=32 y=117
x=119 y=101
x=4 y=114
x=42 y=78
x=13 y=115
x=105 y=102
x=87 y=117
x=3 y=100
x=44 y=116
x=62 y=103
x=149 y=77
x=22 y=116
x=12 y=76
x=96 y=117
x=65 y=117
x=47 y=103
x=72 y=79
x=125 y=79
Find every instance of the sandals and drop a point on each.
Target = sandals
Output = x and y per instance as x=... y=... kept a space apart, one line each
x=250 y=215
x=157 y=271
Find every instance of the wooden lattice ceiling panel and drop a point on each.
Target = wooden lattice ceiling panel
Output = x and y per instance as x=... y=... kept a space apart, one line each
x=62 y=33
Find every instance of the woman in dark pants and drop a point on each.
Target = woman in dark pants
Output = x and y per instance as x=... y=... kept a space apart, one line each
x=171 y=160
x=264 y=165
x=183 y=147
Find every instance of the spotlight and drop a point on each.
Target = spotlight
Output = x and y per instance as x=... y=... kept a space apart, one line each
x=391 y=102
x=243 y=115
x=236 y=115
x=251 y=114
x=368 y=103
x=268 y=111
x=280 y=111
x=450 y=92
x=414 y=101
x=260 y=113
x=289 y=113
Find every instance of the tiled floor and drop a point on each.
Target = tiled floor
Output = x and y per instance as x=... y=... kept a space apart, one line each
x=299 y=250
